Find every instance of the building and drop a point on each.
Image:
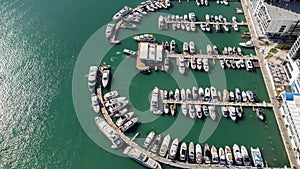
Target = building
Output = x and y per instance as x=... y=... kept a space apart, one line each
x=292 y=67
x=150 y=52
x=274 y=22
x=290 y=110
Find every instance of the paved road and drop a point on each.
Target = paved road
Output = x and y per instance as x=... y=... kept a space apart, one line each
x=279 y=119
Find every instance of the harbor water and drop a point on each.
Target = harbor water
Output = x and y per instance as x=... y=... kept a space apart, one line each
x=40 y=127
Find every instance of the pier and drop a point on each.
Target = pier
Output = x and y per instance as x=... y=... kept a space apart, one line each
x=210 y=23
x=219 y=103
x=202 y=56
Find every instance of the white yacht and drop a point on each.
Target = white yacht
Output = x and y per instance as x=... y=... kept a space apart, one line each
x=228 y=155
x=192 y=47
x=166 y=64
x=222 y=63
x=109 y=132
x=105 y=78
x=236 y=28
x=185 y=48
x=188 y=94
x=239 y=112
x=121 y=120
x=222 y=156
x=116 y=100
x=95 y=102
x=114 y=107
x=182 y=94
x=129 y=52
x=213 y=93
x=225 y=95
x=110 y=95
x=192 y=111
x=238 y=95
x=124 y=11
x=207 y=94
x=225 y=51
x=191 y=152
x=207 y=27
x=245 y=155
x=149 y=139
x=166 y=108
x=212 y=112
x=256 y=157
x=232 y=113
x=195 y=93
x=181 y=65
x=193 y=63
x=259 y=114
x=249 y=65
x=205 y=110
x=173 y=149
x=224 y=111
x=183 y=151
x=203 y=26
x=201 y=94
x=142 y=158
x=209 y=49
x=165 y=146
x=177 y=95
x=184 y=108
x=155 y=143
x=192 y=17
x=206 y=154
x=198 y=111
x=244 y=96
x=237 y=155
x=154 y=106
x=172 y=46
x=248 y=44
x=198 y=154
x=226 y=28
x=214 y=155
x=205 y=64
x=109 y=29
x=129 y=124
x=193 y=26
x=92 y=78
x=199 y=63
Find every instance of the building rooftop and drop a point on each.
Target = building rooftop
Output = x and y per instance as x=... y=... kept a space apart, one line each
x=293 y=6
x=282 y=14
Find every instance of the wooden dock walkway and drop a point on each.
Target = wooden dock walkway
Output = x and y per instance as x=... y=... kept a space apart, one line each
x=219 y=103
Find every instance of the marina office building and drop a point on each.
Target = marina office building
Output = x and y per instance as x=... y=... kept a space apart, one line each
x=274 y=22
x=292 y=67
x=290 y=110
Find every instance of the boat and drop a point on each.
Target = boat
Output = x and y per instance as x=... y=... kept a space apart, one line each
x=239 y=51
x=182 y=94
x=249 y=65
x=250 y=96
x=110 y=95
x=120 y=121
x=184 y=108
x=202 y=2
x=238 y=95
x=207 y=94
x=232 y=113
x=116 y=100
x=172 y=46
x=209 y=49
x=198 y=154
x=207 y=18
x=222 y=63
x=129 y=124
x=207 y=154
x=259 y=114
x=225 y=2
x=166 y=108
x=172 y=109
x=199 y=63
x=214 y=155
x=142 y=158
x=245 y=155
x=174 y=26
x=226 y=28
x=129 y=52
x=192 y=47
x=166 y=45
x=225 y=95
x=193 y=26
x=248 y=44
x=109 y=29
x=205 y=64
x=124 y=11
x=213 y=93
x=222 y=156
x=177 y=95
x=205 y=110
x=185 y=47
x=232 y=64
x=238 y=64
x=215 y=50
x=203 y=27
x=224 y=111
x=235 y=27
x=154 y=145
x=225 y=51
x=228 y=156
x=181 y=65
x=117 y=106
x=198 y=2
x=212 y=112
x=195 y=93
x=198 y=111
x=165 y=96
x=183 y=151
x=201 y=94
x=173 y=149
x=92 y=78
x=206 y=2
x=231 y=96
x=192 y=111
x=144 y=38
x=246 y=35
x=233 y=19
x=191 y=152
x=105 y=78
x=188 y=26
x=218 y=27
x=188 y=95
x=171 y=95
x=165 y=146
x=207 y=27
x=182 y=26
x=109 y=132
x=193 y=63
x=242 y=63
x=244 y=96
x=239 y=112
x=120 y=113
x=149 y=139
x=95 y=102
x=154 y=106
x=238 y=10
x=237 y=155
x=256 y=157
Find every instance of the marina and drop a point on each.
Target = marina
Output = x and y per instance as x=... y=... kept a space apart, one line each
x=190 y=154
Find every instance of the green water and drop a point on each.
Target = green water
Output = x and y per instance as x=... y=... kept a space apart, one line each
x=47 y=119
